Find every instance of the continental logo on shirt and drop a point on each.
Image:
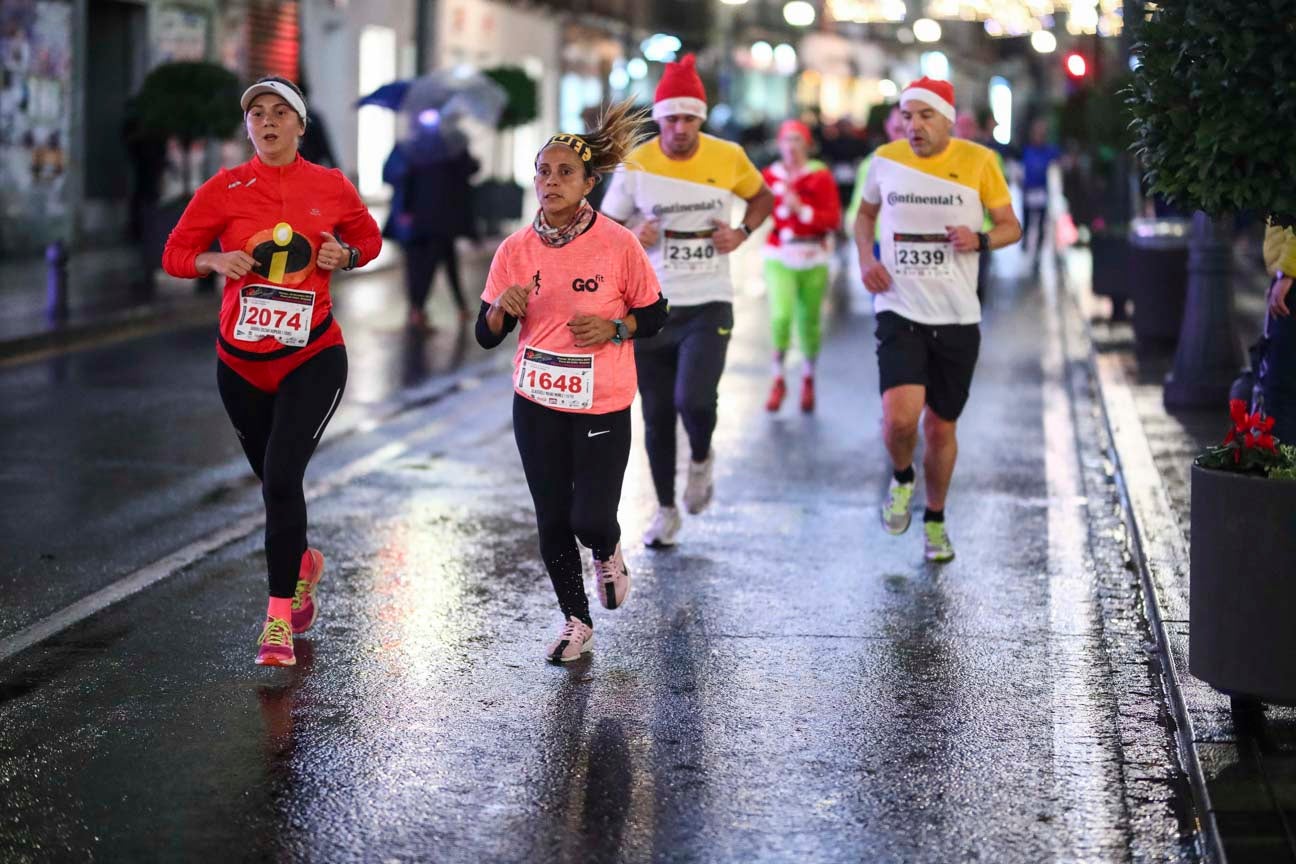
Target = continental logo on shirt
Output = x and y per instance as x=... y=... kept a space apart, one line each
x=895 y=199
x=282 y=256
x=691 y=207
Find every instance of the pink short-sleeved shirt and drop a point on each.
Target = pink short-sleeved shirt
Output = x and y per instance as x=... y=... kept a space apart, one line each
x=603 y=272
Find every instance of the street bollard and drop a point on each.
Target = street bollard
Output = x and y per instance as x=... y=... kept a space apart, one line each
x=56 y=301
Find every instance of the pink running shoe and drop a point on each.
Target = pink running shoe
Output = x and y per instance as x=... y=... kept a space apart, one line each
x=613 y=580
x=575 y=638
x=276 y=644
x=304 y=607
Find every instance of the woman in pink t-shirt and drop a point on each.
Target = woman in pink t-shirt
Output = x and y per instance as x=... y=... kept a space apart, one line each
x=582 y=287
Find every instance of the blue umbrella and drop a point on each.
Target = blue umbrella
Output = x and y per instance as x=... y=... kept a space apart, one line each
x=388 y=95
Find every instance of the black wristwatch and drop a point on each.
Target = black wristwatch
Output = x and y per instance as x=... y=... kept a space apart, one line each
x=742 y=226
x=622 y=332
x=353 y=257
x=983 y=242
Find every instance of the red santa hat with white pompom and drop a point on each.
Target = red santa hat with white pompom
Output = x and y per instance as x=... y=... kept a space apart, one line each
x=937 y=94
x=680 y=91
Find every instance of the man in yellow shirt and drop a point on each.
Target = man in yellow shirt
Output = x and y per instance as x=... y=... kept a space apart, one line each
x=928 y=195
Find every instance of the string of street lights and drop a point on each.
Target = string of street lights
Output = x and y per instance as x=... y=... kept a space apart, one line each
x=1000 y=18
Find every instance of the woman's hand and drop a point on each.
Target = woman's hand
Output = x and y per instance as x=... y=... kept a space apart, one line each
x=515 y=298
x=231 y=265
x=331 y=254
x=591 y=330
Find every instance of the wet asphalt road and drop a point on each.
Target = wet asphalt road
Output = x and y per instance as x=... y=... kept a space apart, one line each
x=789 y=684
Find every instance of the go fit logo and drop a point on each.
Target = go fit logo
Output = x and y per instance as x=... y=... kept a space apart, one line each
x=590 y=285
x=282 y=256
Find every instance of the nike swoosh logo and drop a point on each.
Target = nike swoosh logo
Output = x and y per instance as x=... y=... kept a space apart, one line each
x=724 y=332
x=593 y=434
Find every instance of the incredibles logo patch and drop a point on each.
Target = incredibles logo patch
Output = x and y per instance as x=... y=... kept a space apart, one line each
x=282 y=256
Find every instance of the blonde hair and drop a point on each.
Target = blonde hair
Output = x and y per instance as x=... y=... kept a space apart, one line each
x=620 y=129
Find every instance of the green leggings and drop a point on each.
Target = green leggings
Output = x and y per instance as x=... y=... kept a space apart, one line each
x=796 y=295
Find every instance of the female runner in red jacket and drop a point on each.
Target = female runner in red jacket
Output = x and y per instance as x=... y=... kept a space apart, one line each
x=281 y=364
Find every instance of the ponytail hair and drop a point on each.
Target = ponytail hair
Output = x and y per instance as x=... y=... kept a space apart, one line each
x=620 y=129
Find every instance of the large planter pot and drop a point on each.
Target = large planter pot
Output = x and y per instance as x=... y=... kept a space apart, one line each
x=1242 y=589
x=497 y=202
x=1110 y=265
x=158 y=221
x=1158 y=279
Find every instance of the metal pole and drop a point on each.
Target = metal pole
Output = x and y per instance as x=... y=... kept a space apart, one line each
x=422 y=36
x=56 y=301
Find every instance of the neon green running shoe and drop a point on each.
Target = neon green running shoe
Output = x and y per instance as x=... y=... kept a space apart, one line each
x=895 y=512
x=936 y=543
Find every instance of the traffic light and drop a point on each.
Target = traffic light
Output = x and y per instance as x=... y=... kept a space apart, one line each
x=1076 y=66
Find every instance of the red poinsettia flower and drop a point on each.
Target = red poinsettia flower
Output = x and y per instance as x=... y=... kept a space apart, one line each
x=1249 y=441
x=1267 y=442
x=1263 y=423
x=1238 y=413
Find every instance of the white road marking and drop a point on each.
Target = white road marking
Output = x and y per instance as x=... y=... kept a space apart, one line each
x=1087 y=787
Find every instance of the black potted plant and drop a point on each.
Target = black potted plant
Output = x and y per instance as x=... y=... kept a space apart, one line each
x=1242 y=597
x=1097 y=120
x=187 y=102
x=499 y=199
x=1207 y=100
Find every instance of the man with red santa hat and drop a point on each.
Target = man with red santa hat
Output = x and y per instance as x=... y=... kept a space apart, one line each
x=928 y=194
x=677 y=192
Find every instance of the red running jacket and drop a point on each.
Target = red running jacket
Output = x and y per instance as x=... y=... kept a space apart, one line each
x=278 y=215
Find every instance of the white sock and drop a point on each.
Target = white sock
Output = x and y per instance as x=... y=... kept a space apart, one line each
x=776 y=368
x=808 y=368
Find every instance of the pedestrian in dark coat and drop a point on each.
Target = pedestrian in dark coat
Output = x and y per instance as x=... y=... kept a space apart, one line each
x=431 y=207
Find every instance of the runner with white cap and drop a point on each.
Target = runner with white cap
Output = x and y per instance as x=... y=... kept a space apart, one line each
x=928 y=194
x=284 y=225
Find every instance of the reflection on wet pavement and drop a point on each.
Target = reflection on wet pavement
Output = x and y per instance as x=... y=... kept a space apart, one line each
x=789 y=684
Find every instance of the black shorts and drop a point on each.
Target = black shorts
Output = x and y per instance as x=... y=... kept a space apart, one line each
x=940 y=357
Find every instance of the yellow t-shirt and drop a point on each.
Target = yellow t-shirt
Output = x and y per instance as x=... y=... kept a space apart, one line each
x=920 y=198
x=685 y=196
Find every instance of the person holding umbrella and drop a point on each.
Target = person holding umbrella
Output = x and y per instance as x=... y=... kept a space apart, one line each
x=581 y=287
x=284 y=225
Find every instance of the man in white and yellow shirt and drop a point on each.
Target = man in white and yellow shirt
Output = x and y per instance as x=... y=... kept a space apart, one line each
x=928 y=194
x=677 y=192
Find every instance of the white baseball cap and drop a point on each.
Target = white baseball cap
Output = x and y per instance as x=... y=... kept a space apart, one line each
x=279 y=88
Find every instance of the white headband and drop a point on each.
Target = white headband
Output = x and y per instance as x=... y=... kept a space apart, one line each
x=278 y=88
x=922 y=94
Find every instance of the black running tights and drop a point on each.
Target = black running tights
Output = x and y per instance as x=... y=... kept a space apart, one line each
x=279 y=433
x=575 y=464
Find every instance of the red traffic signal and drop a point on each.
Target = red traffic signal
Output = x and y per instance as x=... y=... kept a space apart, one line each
x=1076 y=66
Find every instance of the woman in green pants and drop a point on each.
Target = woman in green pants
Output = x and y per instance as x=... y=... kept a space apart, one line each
x=806 y=212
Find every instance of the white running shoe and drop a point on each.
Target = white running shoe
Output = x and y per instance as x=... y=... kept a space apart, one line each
x=663 y=528
x=700 y=488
